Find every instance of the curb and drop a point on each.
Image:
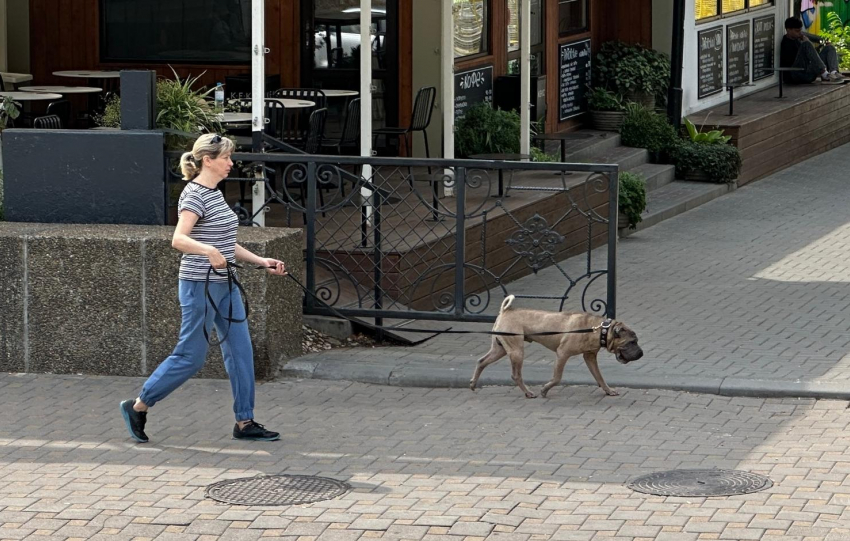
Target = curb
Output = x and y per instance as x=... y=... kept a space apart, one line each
x=456 y=378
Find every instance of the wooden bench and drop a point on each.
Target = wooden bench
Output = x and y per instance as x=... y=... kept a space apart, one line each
x=773 y=134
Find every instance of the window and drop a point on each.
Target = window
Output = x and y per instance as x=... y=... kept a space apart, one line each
x=180 y=31
x=514 y=12
x=572 y=16
x=472 y=23
x=706 y=9
x=337 y=34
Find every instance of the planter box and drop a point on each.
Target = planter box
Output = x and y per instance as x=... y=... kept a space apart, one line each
x=607 y=120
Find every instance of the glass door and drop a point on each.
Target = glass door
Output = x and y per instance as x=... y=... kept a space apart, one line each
x=330 y=56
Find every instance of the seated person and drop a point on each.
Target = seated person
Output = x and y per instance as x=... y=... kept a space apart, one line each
x=797 y=51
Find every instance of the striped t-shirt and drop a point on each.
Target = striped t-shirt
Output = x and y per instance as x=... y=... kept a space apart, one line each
x=216 y=226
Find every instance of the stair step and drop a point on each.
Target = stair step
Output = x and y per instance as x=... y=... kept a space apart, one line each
x=579 y=150
x=655 y=175
x=676 y=198
x=626 y=157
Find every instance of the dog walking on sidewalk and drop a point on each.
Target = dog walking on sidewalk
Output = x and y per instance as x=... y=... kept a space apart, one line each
x=612 y=335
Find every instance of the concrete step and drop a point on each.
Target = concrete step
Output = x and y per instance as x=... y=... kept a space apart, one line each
x=655 y=175
x=626 y=157
x=676 y=198
x=580 y=150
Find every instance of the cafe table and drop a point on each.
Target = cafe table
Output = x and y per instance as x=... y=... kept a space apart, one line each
x=506 y=157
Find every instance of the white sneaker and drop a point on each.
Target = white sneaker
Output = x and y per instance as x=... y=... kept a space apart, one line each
x=835 y=76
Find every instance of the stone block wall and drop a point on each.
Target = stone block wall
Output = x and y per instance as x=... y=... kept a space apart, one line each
x=102 y=299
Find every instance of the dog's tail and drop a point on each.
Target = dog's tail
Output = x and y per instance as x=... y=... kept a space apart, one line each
x=506 y=303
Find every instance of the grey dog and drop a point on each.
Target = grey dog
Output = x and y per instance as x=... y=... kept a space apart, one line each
x=612 y=335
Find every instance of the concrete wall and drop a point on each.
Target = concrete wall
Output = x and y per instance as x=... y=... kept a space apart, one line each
x=426 y=72
x=18 y=35
x=102 y=299
x=662 y=18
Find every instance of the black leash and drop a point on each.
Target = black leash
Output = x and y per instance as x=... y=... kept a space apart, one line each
x=232 y=280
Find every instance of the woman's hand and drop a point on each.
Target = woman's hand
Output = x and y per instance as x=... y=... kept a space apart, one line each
x=273 y=266
x=217 y=260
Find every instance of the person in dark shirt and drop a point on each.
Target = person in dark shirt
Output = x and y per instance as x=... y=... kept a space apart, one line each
x=797 y=51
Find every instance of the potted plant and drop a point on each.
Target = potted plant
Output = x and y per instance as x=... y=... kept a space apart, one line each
x=9 y=111
x=606 y=109
x=632 y=200
x=644 y=128
x=706 y=156
x=636 y=73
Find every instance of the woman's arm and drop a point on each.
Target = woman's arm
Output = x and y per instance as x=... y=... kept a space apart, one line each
x=272 y=265
x=181 y=241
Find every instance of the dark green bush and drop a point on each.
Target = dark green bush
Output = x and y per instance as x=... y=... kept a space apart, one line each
x=484 y=130
x=632 y=200
x=719 y=162
x=644 y=128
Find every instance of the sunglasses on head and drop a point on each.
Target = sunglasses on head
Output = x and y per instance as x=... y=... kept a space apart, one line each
x=216 y=139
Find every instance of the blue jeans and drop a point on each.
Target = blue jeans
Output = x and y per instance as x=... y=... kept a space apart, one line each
x=191 y=351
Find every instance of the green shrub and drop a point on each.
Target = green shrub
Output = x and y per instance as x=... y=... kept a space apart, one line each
x=601 y=99
x=538 y=155
x=111 y=116
x=484 y=130
x=720 y=162
x=632 y=198
x=624 y=68
x=644 y=128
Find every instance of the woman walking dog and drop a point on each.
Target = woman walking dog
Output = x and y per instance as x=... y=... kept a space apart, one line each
x=206 y=234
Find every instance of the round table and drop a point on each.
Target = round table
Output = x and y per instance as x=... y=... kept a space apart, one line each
x=563 y=137
x=330 y=93
x=234 y=118
x=30 y=96
x=62 y=89
x=89 y=74
x=506 y=157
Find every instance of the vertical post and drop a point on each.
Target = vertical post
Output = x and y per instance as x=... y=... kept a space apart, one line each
x=447 y=64
x=366 y=100
x=258 y=95
x=310 y=218
x=460 y=241
x=674 y=94
x=525 y=76
x=613 y=211
x=377 y=260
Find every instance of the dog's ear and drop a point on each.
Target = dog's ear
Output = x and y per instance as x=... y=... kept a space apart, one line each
x=617 y=330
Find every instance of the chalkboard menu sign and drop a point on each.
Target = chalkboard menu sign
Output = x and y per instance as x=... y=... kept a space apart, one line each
x=710 y=61
x=472 y=87
x=764 y=46
x=738 y=53
x=573 y=78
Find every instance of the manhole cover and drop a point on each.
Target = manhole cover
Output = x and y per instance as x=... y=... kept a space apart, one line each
x=700 y=483
x=276 y=490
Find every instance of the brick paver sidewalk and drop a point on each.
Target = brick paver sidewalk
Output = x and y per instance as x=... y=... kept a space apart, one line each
x=424 y=463
x=754 y=285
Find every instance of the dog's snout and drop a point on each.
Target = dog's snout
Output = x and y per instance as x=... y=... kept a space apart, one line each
x=639 y=354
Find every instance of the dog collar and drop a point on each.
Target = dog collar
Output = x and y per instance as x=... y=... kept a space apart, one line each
x=603 y=335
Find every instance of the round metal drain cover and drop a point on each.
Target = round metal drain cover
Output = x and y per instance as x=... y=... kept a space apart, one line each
x=276 y=490
x=697 y=483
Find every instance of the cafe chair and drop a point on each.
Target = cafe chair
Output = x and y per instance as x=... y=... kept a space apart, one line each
x=423 y=107
x=60 y=108
x=47 y=122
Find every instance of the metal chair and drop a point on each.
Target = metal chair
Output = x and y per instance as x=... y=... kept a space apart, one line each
x=316 y=132
x=350 y=136
x=48 y=122
x=423 y=107
x=60 y=108
x=275 y=113
x=310 y=94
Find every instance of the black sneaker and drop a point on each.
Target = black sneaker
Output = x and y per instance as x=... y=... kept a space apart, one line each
x=255 y=432
x=135 y=420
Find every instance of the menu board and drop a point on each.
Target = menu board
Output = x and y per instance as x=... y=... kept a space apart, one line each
x=710 y=61
x=573 y=78
x=472 y=87
x=764 y=46
x=738 y=53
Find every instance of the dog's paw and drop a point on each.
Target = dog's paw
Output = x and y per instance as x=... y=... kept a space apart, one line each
x=610 y=392
x=544 y=392
x=529 y=394
x=472 y=386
